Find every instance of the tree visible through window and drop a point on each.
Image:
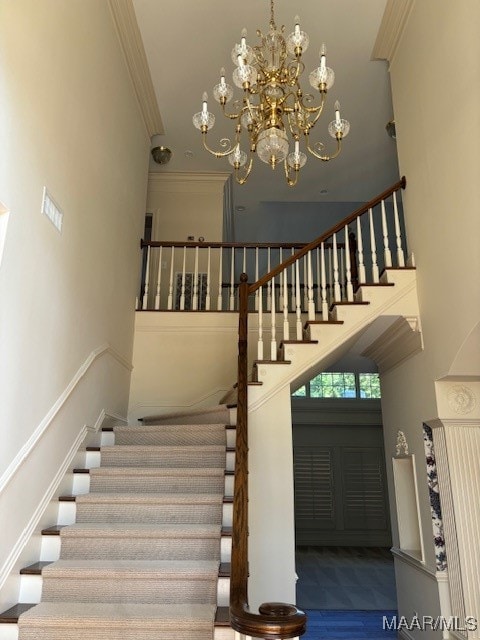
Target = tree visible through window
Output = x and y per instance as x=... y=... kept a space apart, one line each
x=341 y=385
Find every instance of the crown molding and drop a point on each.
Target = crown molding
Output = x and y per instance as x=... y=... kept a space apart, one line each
x=130 y=38
x=391 y=29
x=183 y=182
x=402 y=340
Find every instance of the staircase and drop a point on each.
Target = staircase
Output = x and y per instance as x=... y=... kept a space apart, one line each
x=142 y=547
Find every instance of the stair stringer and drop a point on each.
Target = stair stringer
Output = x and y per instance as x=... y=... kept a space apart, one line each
x=271 y=498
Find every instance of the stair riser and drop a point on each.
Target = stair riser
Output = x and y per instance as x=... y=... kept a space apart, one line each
x=93 y=459
x=51 y=549
x=32 y=587
x=82 y=484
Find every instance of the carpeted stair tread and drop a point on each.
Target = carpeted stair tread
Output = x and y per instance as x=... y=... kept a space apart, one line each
x=171 y=435
x=150 y=498
x=140 y=479
x=163 y=456
x=111 y=621
x=129 y=569
x=133 y=529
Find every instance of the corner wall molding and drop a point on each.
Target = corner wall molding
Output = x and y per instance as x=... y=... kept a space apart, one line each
x=391 y=29
x=181 y=182
x=48 y=419
x=126 y=24
x=402 y=340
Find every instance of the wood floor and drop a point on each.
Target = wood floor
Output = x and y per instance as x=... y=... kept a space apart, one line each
x=348 y=625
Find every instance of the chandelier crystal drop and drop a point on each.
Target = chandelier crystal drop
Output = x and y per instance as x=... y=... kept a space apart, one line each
x=274 y=113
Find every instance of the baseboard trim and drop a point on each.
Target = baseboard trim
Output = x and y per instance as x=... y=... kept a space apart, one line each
x=29 y=446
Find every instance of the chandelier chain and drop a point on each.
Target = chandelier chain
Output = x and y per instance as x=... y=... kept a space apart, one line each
x=272 y=14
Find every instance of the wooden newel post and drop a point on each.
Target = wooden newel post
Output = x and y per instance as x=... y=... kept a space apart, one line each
x=352 y=243
x=239 y=560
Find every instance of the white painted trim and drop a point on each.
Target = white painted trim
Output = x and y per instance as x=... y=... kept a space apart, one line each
x=29 y=446
x=417 y=564
x=391 y=29
x=123 y=14
x=401 y=341
x=194 y=403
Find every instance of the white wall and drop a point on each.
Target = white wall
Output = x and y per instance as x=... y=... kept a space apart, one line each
x=435 y=76
x=69 y=121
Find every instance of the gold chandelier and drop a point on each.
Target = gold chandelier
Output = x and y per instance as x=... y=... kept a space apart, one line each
x=274 y=105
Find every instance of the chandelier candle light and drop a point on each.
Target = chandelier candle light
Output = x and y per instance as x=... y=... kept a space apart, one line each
x=274 y=105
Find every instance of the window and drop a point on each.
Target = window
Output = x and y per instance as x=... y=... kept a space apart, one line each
x=331 y=384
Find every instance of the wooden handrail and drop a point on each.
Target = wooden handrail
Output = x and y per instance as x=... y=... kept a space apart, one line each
x=222 y=245
x=401 y=184
x=274 y=620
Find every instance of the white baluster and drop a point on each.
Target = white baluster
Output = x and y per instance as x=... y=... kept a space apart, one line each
x=257 y=293
x=341 y=275
x=207 y=293
x=232 y=280
x=311 y=301
x=260 y=325
x=269 y=284
x=337 y=295
x=387 y=256
x=400 y=254
x=298 y=301
x=147 y=281
x=220 y=277
x=330 y=275
x=182 y=294
x=319 y=277
x=280 y=289
x=195 y=283
x=348 y=271
x=170 y=284
x=273 y=343
x=294 y=295
x=159 y=280
x=373 y=247
x=305 y=285
x=286 y=324
x=323 y=286
x=362 y=278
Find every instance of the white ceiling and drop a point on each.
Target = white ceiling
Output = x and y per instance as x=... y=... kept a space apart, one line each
x=187 y=42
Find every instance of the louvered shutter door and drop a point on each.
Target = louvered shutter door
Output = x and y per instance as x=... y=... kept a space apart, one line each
x=364 y=505
x=314 y=488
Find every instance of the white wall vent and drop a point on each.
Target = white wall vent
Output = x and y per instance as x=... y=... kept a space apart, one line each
x=52 y=210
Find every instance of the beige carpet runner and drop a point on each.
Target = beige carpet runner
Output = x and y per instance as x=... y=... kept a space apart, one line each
x=141 y=562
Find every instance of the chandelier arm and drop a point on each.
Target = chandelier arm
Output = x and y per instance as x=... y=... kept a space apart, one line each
x=318 y=110
x=231 y=116
x=290 y=181
x=224 y=142
x=244 y=178
x=325 y=158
